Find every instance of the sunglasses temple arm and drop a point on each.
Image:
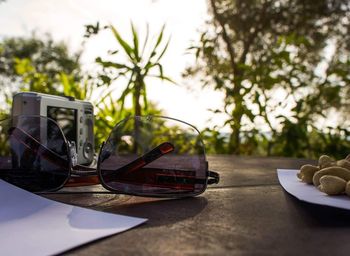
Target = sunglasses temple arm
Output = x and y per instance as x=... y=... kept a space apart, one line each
x=214 y=177
x=155 y=153
x=162 y=149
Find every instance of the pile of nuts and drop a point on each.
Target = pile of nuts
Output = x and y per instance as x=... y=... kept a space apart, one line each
x=330 y=176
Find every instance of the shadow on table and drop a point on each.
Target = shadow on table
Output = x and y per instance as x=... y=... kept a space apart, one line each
x=318 y=215
x=163 y=211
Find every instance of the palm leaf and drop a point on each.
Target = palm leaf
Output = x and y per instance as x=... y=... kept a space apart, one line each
x=166 y=78
x=136 y=42
x=126 y=47
x=160 y=37
x=104 y=97
x=164 y=50
x=159 y=40
x=146 y=40
x=110 y=64
x=161 y=74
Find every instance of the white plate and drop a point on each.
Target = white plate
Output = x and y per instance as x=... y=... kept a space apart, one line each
x=309 y=193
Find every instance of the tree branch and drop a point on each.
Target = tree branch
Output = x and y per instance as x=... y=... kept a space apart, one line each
x=252 y=36
x=225 y=36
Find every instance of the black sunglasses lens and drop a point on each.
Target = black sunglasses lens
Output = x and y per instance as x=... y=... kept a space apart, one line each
x=154 y=156
x=33 y=153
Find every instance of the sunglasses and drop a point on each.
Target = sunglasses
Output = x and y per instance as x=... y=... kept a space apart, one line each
x=143 y=155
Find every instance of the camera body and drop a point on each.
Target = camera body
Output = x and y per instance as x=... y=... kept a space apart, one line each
x=75 y=118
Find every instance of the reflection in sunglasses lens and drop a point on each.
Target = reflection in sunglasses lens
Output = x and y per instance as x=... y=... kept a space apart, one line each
x=154 y=156
x=33 y=153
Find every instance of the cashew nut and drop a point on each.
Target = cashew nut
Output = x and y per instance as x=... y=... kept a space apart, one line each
x=332 y=185
x=344 y=163
x=333 y=170
x=306 y=173
x=325 y=161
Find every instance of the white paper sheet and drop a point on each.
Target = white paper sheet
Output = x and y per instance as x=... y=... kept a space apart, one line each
x=309 y=193
x=33 y=225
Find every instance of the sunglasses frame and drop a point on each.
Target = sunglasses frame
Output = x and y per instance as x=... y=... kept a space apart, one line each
x=77 y=173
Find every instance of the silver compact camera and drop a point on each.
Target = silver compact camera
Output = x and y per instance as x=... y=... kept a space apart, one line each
x=75 y=118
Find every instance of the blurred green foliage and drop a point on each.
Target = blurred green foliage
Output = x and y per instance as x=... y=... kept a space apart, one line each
x=154 y=131
x=265 y=56
x=270 y=57
x=142 y=58
x=33 y=64
x=34 y=54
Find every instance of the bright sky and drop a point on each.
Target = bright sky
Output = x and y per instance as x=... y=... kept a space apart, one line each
x=65 y=20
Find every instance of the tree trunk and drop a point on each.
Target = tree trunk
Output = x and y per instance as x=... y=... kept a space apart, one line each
x=235 y=139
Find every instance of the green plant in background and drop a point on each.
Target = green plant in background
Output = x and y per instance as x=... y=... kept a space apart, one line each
x=104 y=121
x=142 y=62
x=43 y=54
x=34 y=64
x=215 y=141
x=44 y=66
x=252 y=50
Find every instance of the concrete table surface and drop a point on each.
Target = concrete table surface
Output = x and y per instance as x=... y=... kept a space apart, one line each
x=247 y=213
